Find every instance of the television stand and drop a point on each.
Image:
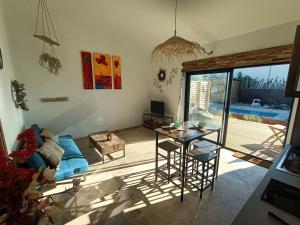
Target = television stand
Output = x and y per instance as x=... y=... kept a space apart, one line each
x=154 y=120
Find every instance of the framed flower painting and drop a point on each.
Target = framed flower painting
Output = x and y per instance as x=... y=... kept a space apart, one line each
x=87 y=71
x=116 y=60
x=102 y=71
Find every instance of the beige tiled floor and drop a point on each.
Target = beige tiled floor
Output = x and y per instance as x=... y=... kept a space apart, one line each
x=124 y=191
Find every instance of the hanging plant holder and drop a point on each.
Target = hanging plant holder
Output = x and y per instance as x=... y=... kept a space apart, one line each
x=52 y=64
x=44 y=28
x=44 y=31
x=46 y=39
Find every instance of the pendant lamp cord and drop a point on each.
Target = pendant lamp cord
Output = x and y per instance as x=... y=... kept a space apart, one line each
x=175 y=32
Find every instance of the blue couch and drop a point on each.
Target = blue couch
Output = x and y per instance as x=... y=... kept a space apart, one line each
x=72 y=163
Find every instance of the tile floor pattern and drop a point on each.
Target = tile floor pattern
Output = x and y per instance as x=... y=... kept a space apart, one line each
x=123 y=192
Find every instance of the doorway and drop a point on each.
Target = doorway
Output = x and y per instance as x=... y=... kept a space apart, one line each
x=248 y=103
x=207 y=93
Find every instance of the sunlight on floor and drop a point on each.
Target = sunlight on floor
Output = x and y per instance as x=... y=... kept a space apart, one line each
x=126 y=189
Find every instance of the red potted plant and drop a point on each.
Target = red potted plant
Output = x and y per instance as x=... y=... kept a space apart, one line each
x=15 y=180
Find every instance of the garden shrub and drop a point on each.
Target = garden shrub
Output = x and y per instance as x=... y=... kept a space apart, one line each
x=253 y=118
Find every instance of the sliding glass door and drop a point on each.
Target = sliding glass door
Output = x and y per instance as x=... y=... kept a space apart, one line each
x=248 y=103
x=259 y=111
x=207 y=98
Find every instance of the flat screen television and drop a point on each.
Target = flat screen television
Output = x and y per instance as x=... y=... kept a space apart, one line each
x=158 y=107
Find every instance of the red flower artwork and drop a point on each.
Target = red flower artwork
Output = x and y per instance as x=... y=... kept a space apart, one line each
x=102 y=60
x=87 y=71
x=102 y=71
x=116 y=63
x=117 y=72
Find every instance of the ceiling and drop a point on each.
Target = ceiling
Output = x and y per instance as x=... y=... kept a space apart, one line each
x=152 y=21
x=219 y=19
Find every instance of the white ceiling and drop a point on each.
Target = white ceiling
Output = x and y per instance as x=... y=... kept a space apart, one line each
x=218 y=19
x=152 y=21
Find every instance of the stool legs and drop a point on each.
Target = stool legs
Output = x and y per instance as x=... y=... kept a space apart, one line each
x=168 y=165
x=180 y=152
x=202 y=179
x=214 y=174
x=170 y=155
x=217 y=166
x=204 y=171
x=156 y=156
x=186 y=170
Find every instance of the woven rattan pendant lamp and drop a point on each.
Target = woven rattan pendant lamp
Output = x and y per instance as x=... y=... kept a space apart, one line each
x=178 y=47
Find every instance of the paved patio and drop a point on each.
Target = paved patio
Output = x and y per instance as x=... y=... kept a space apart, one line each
x=252 y=138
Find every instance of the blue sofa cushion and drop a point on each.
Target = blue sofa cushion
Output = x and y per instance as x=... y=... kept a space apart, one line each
x=38 y=137
x=70 y=147
x=72 y=163
x=63 y=171
x=36 y=161
x=71 y=167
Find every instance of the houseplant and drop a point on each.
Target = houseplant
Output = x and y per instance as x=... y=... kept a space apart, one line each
x=14 y=181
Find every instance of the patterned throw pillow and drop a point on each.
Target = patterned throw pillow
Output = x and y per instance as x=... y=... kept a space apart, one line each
x=52 y=153
x=46 y=134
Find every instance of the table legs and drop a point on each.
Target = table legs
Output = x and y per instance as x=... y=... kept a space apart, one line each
x=218 y=152
x=156 y=156
x=184 y=147
x=183 y=161
x=90 y=143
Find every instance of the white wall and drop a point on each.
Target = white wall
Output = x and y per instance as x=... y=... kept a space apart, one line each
x=95 y=27
x=130 y=29
x=270 y=37
x=11 y=118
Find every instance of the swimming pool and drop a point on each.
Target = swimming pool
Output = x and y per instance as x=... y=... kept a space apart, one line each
x=248 y=110
x=253 y=112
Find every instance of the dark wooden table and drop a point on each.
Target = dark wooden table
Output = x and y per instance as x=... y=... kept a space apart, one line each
x=185 y=137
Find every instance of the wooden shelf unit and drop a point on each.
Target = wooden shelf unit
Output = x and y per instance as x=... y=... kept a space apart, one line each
x=154 y=120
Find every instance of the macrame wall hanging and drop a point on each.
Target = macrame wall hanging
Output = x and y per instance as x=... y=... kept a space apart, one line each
x=44 y=31
x=162 y=78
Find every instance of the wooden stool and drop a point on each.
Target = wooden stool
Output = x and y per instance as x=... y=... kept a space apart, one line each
x=204 y=162
x=169 y=147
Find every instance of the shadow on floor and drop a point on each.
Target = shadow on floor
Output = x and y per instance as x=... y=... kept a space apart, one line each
x=137 y=199
x=263 y=150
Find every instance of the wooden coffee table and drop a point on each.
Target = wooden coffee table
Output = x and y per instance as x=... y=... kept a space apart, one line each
x=99 y=141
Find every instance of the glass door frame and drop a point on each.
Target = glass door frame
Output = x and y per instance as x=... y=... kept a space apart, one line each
x=226 y=98
x=225 y=117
